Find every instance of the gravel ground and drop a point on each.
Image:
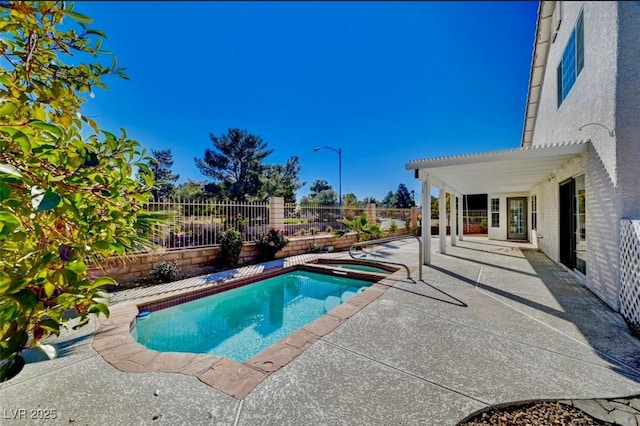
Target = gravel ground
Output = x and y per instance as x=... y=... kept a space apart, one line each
x=538 y=414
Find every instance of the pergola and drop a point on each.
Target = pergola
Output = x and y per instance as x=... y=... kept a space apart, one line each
x=512 y=170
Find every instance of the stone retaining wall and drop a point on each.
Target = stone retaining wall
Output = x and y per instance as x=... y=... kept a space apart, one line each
x=138 y=266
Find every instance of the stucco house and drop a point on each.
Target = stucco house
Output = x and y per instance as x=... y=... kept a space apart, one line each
x=572 y=187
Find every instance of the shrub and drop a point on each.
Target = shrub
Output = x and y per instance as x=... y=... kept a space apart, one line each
x=230 y=248
x=393 y=227
x=301 y=232
x=375 y=231
x=165 y=272
x=270 y=243
x=68 y=194
x=316 y=248
x=407 y=225
x=328 y=229
x=314 y=230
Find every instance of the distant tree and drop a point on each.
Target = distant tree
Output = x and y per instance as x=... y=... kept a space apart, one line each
x=235 y=164
x=389 y=200
x=281 y=180
x=369 y=200
x=190 y=190
x=350 y=199
x=321 y=193
x=318 y=186
x=160 y=166
x=403 y=197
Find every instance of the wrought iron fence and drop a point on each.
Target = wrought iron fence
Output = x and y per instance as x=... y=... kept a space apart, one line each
x=201 y=223
x=310 y=219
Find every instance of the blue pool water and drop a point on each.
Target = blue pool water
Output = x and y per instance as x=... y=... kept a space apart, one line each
x=242 y=322
x=356 y=267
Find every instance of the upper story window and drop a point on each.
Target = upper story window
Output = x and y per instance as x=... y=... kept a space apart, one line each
x=572 y=60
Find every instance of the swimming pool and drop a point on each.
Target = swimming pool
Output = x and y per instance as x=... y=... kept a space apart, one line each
x=357 y=267
x=240 y=323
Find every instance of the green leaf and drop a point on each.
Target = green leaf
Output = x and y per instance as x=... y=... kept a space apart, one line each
x=23 y=140
x=78 y=266
x=49 y=289
x=77 y=16
x=8 y=223
x=50 y=325
x=26 y=298
x=119 y=248
x=5 y=191
x=7 y=108
x=9 y=310
x=47 y=127
x=100 y=307
x=102 y=281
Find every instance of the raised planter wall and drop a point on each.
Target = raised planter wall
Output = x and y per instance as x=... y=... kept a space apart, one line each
x=138 y=266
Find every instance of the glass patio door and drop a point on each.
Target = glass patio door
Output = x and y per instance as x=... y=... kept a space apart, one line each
x=517 y=224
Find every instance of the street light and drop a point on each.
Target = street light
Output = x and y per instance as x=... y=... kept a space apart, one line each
x=339 y=152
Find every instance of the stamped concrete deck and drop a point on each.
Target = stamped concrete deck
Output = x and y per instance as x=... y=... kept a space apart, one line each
x=490 y=324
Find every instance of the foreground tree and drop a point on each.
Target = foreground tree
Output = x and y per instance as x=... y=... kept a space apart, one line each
x=64 y=199
x=160 y=166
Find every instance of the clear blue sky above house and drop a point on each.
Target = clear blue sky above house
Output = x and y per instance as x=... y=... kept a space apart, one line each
x=387 y=82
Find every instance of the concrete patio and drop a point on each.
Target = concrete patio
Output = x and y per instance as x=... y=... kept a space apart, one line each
x=491 y=323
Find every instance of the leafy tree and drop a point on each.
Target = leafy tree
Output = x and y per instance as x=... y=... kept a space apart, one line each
x=281 y=180
x=318 y=186
x=403 y=197
x=389 y=200
x=64 y=198
x=160 y=166
x=350 y=199
x=235 y=164
x=369 y=200
x=321 y=194
x=190 y=190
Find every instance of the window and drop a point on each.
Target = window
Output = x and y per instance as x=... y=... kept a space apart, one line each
x=572 y=60
x=495 y=212
x=534 y=212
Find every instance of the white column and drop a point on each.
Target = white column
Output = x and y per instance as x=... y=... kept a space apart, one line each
x=461 y=218
x=426 y=222
x=442 y=217
x=454 y=219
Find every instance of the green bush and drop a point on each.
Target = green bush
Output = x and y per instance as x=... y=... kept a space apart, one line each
x=407 y=225
x=165 y=272
x=230 y=248
x=316 y=248
x=69 y=197
x=270 y=243
x=393 y=227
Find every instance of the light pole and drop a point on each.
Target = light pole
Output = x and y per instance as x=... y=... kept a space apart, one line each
x=339 y=152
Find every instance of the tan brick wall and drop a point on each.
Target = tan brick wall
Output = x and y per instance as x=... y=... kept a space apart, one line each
x=141 y=265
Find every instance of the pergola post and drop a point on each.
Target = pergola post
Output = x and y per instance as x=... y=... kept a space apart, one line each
x=426 y=221
x=442 y=218
x=461 y=219
x=454 y=219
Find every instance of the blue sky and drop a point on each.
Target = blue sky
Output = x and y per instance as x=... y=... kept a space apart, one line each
x=387 y=82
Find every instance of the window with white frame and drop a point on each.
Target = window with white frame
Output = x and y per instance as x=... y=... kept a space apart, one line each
x=534 y=212
x=572 y=60
x=495 y=212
